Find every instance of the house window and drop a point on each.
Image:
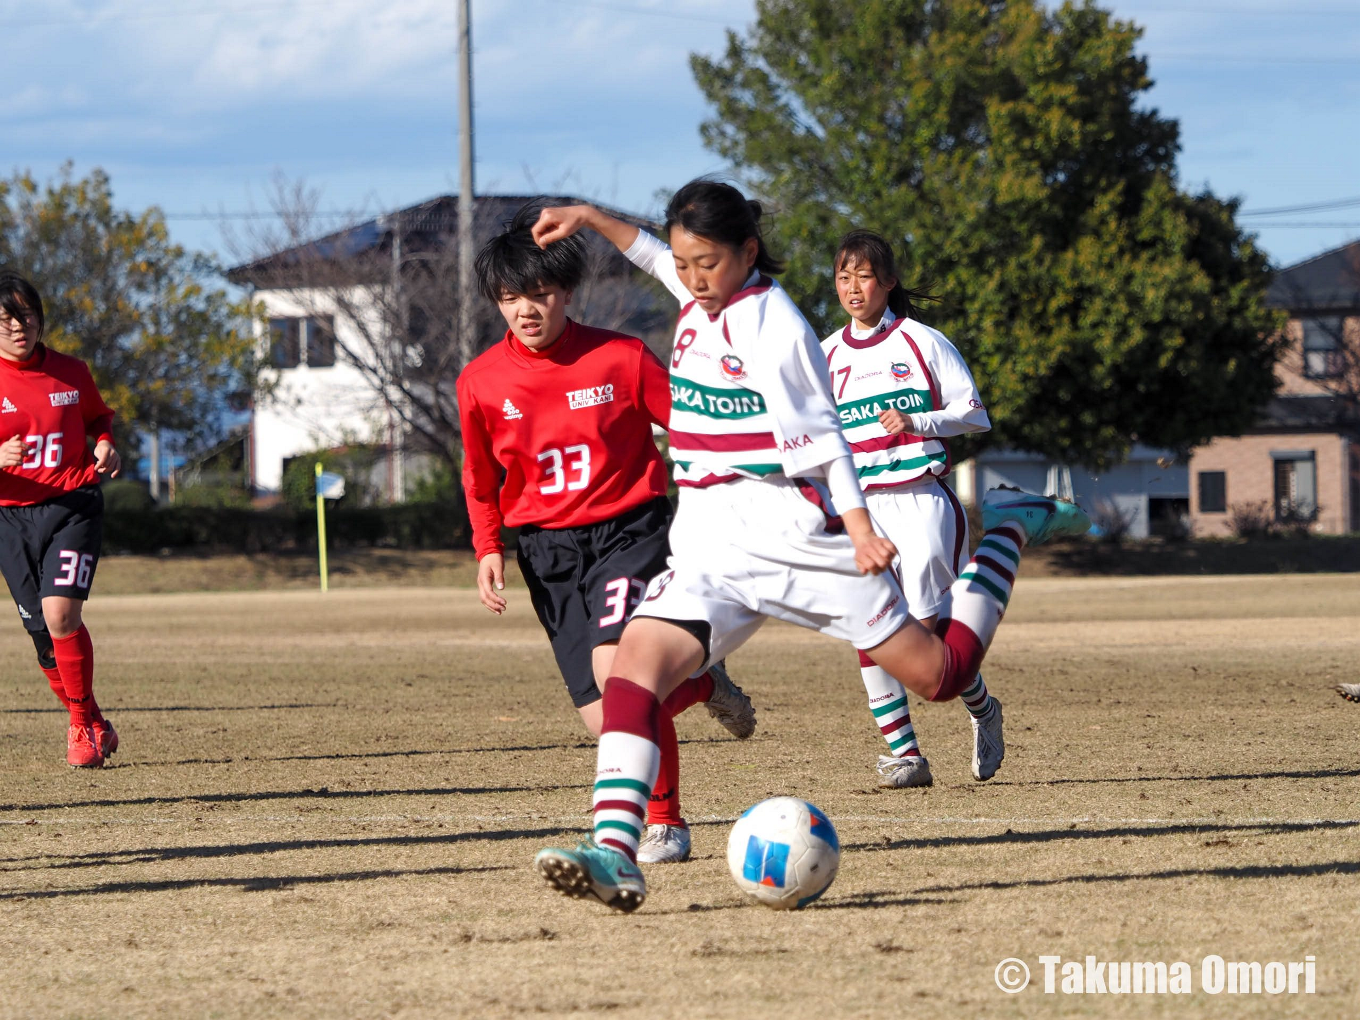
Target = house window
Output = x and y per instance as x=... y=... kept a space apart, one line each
x=1295 y=485
x=285 y=343
x=1323 y=354
x=1213 y=492
x=320 y=342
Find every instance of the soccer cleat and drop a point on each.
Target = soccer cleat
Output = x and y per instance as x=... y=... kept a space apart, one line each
x=593 y=872
x=1041 y=517
x=729 y=703
x=903 y=773
x=664 y=844
x=82 y=751
x=989 y=746
x=1351 y=692
x=105 y=737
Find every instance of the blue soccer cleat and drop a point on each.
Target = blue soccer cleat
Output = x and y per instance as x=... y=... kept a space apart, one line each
x=593 y=872
x=1041 y=517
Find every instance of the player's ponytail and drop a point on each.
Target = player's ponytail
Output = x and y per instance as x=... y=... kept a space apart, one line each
x=864 y=247
x=18 y=295
x=718 y=212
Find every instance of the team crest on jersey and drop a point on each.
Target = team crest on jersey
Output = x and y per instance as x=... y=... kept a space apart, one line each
x=591 y=396
x=65 y=399
x=901 y=371
x=732 y=367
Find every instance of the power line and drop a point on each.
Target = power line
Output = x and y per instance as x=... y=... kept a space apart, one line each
x=1301 y=224
x=1327 y=206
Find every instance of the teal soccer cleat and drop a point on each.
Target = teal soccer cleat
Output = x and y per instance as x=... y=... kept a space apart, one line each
x=593 y=872
x=1041 y=517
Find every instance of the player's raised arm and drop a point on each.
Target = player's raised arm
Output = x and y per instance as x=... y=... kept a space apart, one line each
x=648 y=253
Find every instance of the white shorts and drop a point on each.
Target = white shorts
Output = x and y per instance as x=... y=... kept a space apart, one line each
x=926 y=521
x=746 y=550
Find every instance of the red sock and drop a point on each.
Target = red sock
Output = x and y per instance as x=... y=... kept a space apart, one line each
x=58 y=686
x=963 y=652
x=691 y=692
x=75 y=663
x=664 y=806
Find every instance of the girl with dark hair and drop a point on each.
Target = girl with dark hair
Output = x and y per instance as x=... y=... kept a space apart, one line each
x=51 y=508
x=771 y=523
x=902 y=389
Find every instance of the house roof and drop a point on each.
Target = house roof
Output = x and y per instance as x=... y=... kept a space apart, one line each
x=1330 y=281
x=432 y=222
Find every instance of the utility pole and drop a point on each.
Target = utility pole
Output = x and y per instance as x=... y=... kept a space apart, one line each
x=466 y=243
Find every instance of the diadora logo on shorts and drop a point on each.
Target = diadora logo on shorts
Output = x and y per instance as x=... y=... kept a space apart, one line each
x=510 y=410
x=591 y=396
x=8 y=407
x=901 y=371
x=884 y=611
x=732 y=367
x=797 y=443
x=65 y=399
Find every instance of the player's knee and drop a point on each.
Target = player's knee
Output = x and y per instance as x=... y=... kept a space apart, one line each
x=62 y=621
x=42 y=641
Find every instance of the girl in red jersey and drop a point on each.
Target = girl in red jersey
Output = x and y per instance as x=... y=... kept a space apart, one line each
x=51 y=507
x=772 y=519
x=557 y=441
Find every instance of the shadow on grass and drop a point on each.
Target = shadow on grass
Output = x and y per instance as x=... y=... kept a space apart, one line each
x=1221 y=777
x=323 y=793
x=155 y=855
x=1054 y=835
x=1242 y=871
x=255 y=884
x=122 y=710
x=853 y=901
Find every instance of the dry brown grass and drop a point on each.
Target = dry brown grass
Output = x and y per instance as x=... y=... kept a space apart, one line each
x=326 y=807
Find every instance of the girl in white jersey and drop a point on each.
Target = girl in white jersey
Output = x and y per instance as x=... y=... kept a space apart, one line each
x=771 y=522
x=902 y=389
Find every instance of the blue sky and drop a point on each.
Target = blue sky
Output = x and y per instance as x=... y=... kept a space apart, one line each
x=194 y=105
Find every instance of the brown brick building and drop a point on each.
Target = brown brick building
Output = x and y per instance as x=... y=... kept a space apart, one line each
x=1300 y=465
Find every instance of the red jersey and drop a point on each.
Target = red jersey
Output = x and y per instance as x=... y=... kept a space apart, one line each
x=560 y=437
x=52 y=401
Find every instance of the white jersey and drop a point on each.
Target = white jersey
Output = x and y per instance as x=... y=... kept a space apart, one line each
x=901 y=365
x=749 y=391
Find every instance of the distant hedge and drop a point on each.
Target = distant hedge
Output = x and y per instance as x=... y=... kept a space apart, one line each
x=232 y=529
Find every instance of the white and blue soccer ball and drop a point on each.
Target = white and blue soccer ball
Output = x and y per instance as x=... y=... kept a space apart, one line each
x=783 y=853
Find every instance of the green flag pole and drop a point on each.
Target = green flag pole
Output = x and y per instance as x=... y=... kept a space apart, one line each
x=321 y=531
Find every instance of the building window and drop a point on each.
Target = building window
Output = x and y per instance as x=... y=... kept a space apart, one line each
x=1213 y=492
x=285 y=343
x=1323 y=353
x=1295 y=485
x=320 y=342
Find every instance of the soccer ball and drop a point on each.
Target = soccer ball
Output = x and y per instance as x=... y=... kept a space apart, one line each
x=783 y=853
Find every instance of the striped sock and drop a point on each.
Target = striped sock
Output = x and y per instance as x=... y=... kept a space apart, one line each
x=626 y=766
x=976 y=699
x=974 y=607
x=888 y=702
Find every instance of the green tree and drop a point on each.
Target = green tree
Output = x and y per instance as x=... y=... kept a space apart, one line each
x=1004 y=150
x=165 y=345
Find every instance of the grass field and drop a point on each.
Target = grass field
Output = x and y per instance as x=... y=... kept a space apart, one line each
x=327 y=807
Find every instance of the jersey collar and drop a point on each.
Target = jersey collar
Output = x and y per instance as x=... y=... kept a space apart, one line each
x=875 y=336
x=549 y=353
x=33 y=364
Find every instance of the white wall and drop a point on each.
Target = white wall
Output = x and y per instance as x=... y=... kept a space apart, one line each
x=314 y=407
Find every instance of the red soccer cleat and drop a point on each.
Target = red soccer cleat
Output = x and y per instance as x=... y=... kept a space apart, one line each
x=82 y=750
x=105 y=737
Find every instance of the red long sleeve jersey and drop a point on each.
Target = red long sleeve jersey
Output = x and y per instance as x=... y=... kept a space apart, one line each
x=560 y=438
x=52 y=402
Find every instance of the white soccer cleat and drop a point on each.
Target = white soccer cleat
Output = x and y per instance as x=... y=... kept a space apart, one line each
x=1040 y=517
x=989 y=746
x=664 y=844
x=729 y=703
x=1351 y=692
x=903 y=773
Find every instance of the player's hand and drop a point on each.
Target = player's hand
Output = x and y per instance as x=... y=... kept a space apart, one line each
x=894 y=421
x=558 y=222
x=12 y=452
x=491 y=580
x=106 y=459
x=873 y=553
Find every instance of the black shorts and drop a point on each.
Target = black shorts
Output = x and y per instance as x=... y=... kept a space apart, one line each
x=585 y=582
x=51 y=548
